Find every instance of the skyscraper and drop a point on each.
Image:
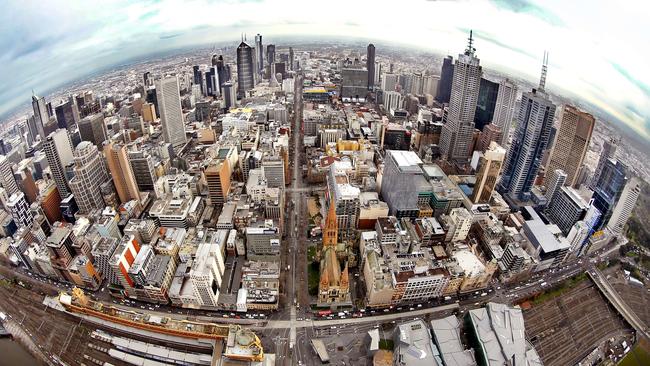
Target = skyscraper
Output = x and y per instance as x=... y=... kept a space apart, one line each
x=270 y=54
x=608 y=189
x=488 y=173
x=486 y=103
x=41 y=116
x=567 y=208
x=370 y=66
x=290 y=58
x=457 y=132
x=143 y=169
x=222 y=72
x=504 y=109
x=121 y=171
x=259 y=50
x=7 y=179
x=446 y=77
x=89 y=174
x=609 y=151
x=58 y=151
x=556 y=180
x=67 y=114
x=171 y=114
x=197 y=76
x=92 y=128
x=624 y=206
x=245 y=70
x=572 y=142
x=19 y=208
x=534 y=122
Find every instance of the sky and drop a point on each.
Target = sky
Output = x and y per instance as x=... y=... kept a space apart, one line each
x=599 y=50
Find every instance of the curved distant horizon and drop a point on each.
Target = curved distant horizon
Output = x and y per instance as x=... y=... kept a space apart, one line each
x=598 y=50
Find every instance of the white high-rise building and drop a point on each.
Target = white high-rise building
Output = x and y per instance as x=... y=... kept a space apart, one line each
x=625 y=205
x=389 y=81
x=40 y=115
x=206 y=274
x=58 y=151
x=504 y=109
x=393 y=100
x=7 y=179
x=556 y=180
x=19 y=209
x=456 y=137
x=89 y=173
x=171 y=113
x=259 y=53
x=430 y=85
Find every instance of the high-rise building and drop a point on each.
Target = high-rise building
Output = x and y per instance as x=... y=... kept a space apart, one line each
x=446 y=78
x=171 y=113
x=389 y=82
x=490 y=133
x=144 y=169
x=572 y=142
x=58 y=151
x=41 y=117
x=245 y=69
x=608 y=189
x=534 y=122
x=270 y=54
x=354 y=84
x=608 y=152
x=7 y=179
x=567 y=208
x=89 y=174
x=624 y=206
x=259 y=50
x=67 y=114
x=486 y=103
x=197 y=76
x=121 y=171
x=217 y=175
x=556 y=180
x=456 y=137
x=92 y=128
x=19 y=209
x=291 y=59
x=401 y=181
x=430 y=84
x=504 y=109
x=488 y=173
x=370 y=66
x=273 y=171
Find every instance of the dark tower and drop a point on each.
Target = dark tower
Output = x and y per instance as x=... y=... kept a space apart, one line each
x=370 y=66
x=446 y=78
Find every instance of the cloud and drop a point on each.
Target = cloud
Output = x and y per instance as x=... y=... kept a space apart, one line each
x=169 y=36
x=528 y=7
x=494 y=40
x=638 y=83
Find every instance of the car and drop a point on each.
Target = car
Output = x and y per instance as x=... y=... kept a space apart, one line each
x=419 y=305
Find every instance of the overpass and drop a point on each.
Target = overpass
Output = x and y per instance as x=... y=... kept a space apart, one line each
x=612 y=296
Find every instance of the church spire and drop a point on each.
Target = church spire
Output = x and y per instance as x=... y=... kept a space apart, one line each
x=331 y=231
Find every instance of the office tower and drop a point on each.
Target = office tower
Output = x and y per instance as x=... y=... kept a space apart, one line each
x=25 y=181
x=393 y=101
x=66 y=114
x=245 y=78
x=556 y=179
x=89 y=174
x=490 y=133
x=608 y=189
x=19 y=209
x=92 y=128
x=121 y=171
x=270 y=54
x=430 y=84
x=143 y=169
x=259 y=50
x=354 y=84
x=123 y=257
x=370 y=66
x=504 y=109
x=566 y=209
x=58 y=151
x=273 y=171
x=222 y=72
x=572 y=142
x=41 y=117
x=217 y=176
x=197 y=76
x=405 y=81
x=148 y=112
x=7 y=179
x=212 y=82
x=291 y=58
x=486 y=103
x=608 y=152
x=623 y=209
x=446 y=78
x=459 y=124
x=147 y=79
x=534 y=122
x=400 y=182
x=488 y=173
x=229 y=94
x=171 y=113
x=389 y=82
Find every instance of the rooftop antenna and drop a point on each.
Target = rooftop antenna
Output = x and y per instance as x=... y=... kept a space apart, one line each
x=542 y=79
x=470 y=45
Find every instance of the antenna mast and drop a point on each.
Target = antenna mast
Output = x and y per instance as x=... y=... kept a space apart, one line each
x=542 y=79
x=470 y=45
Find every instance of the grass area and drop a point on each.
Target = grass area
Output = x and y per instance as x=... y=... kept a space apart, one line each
x=386 y=344
x=311 y=253
x=314 y=278
x=639 y=355
x=631 y=254
x=559 y=289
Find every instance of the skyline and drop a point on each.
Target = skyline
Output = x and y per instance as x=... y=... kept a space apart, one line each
x=603 y=66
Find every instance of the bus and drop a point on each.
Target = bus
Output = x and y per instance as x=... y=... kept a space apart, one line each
x=323 y=313
x=321 y=350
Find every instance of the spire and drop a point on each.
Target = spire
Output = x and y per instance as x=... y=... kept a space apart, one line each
x=469 y=51
x=542 y=79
